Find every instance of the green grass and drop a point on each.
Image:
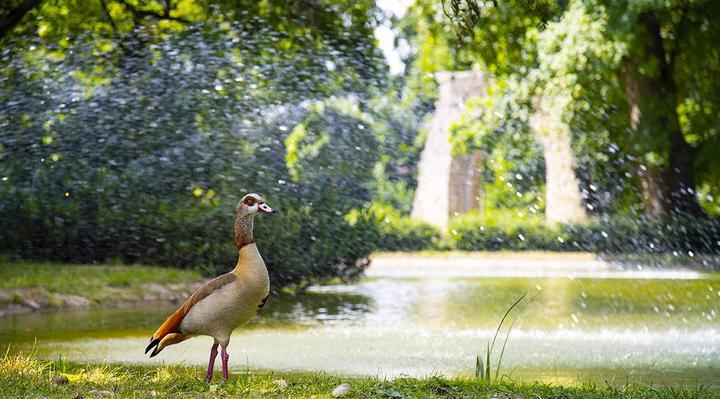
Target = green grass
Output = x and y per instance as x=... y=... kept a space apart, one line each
x=27 y=377
x=98 y=283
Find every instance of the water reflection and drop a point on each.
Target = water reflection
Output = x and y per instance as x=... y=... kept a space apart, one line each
x=313 y=308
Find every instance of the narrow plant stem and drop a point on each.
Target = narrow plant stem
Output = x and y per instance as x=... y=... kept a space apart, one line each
x=487 y=368
x=503 y=320
x=517 y=315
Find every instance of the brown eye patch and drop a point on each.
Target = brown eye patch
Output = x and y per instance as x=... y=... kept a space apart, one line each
x=249 y=201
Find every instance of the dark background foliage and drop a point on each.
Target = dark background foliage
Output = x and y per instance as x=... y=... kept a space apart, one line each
x=139 y=153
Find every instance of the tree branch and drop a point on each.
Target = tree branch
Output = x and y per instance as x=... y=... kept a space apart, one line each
x=145 y=13
x=107 y=12
x=466 y=14
x=8 y=23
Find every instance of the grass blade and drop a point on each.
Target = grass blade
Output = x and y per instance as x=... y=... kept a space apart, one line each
x=487 y=369
x=517 y=315
x=503 y=319
x=479 y=371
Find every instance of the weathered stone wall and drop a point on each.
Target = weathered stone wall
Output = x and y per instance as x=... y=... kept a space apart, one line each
x=447 y=184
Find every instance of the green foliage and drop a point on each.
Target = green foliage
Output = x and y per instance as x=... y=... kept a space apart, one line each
x=334 y=148
x=401 y=233
x=503 y=230
x=405 y=234
x=395 y=231
x=575 y=60
x=363 y=157
x=565 y=56
x=136 y=145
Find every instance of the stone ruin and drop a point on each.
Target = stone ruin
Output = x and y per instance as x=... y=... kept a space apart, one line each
x=448 y=184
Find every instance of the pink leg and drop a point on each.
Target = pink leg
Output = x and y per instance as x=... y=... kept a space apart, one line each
x=224 y=357
x=211 y=365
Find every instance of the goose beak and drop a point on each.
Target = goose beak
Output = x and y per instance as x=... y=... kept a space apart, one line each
x=265 y=208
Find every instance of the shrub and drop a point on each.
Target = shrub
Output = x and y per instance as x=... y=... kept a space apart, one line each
x=146 y=161
x=502 y=231
x=509 y=231
x=396 y=232
x=405 y=234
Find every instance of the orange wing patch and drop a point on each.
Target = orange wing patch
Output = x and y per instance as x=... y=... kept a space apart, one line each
x=171 y=327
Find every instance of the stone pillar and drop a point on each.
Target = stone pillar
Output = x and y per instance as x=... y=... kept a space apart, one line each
x=563 y=202
x=448 y=184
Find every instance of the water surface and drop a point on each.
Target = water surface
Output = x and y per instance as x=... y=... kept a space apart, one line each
x=617 y=329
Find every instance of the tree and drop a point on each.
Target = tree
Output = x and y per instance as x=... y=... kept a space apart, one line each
x=662 y=36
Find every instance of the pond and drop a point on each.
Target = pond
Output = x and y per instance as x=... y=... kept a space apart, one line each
x=595 y=328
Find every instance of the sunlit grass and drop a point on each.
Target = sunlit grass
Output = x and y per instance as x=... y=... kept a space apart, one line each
x=24 y=366
x=25 y=376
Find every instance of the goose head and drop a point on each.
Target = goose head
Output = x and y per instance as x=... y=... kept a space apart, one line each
x=252 y=204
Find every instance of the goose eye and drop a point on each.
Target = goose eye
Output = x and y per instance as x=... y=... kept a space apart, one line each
x=249 y=201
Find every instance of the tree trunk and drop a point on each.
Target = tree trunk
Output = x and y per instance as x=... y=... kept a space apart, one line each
x=653 y=192
x=667 y=181
x=680 y=178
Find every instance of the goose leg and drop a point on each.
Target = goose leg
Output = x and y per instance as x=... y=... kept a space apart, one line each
x=211 y=365
x=224 y=357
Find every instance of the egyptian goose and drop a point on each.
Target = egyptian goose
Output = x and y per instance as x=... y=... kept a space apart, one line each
x=225 y=302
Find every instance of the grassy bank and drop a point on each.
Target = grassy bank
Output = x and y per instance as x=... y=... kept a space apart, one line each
x=27 y=377
x=33 y=286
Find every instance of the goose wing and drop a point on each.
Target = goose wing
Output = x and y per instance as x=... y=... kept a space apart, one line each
x=172 y=323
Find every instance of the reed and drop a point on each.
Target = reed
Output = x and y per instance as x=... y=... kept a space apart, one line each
x=483 y=369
